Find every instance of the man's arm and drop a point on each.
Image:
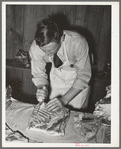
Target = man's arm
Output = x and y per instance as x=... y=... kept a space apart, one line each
x=83 y=69
x=38 y=70
x=69 y=95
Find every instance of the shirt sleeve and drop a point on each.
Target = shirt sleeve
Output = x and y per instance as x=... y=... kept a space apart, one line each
x=82 y=65
x=38 y=70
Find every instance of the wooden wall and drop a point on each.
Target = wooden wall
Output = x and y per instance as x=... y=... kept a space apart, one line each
x=93 y=21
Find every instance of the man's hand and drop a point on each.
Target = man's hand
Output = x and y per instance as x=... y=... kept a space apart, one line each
x=42 y=94
x=54 y=105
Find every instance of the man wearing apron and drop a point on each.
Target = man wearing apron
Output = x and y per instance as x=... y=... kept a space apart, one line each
x=69 y=82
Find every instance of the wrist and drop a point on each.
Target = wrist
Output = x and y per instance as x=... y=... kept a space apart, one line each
x=63 y=101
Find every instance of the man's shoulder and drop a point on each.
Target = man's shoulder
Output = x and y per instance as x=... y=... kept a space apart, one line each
x=74 y=38
x=73 y=35
x=35 y=50
x=35 y=47
x=33 y=44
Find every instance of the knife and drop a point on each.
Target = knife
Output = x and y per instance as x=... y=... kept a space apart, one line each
x=41 y=100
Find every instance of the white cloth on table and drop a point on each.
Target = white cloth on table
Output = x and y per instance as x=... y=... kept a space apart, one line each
x=17 y=117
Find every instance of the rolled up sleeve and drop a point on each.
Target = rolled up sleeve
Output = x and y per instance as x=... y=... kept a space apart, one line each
x=82 y=65
x=38 y=70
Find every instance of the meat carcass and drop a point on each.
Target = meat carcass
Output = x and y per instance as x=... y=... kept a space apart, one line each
x=48 y=122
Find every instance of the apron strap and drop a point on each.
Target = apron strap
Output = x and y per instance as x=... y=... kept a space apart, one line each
x=66 y=53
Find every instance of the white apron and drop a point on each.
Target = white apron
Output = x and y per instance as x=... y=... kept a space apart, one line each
x=61 y=80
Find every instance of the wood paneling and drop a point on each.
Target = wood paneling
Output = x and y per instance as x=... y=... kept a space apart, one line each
x=95 y=20
x=14 y=30
x=21 y=82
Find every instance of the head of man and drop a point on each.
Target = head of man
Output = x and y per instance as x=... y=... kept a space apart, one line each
x=49 y=36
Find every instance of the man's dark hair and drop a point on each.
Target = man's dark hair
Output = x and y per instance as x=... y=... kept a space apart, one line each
x=48 y=30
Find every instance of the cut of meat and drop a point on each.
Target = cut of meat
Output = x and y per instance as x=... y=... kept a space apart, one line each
x=49 y=122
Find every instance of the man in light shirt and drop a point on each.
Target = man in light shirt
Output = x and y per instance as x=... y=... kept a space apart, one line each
x=70 y=74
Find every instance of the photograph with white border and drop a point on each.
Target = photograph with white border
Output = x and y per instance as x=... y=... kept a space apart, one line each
x=74 y=104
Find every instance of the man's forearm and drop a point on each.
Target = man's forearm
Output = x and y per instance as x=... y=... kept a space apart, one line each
x=68 y=96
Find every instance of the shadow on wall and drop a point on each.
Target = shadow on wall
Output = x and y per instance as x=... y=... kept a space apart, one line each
x=62 y=20
x=90 y=39
x=14 y=42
